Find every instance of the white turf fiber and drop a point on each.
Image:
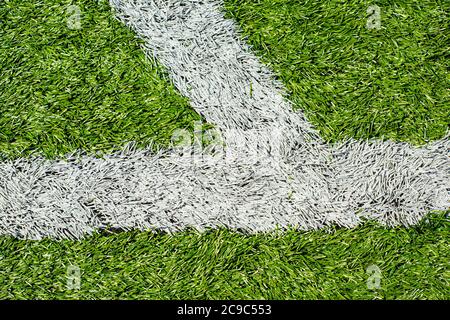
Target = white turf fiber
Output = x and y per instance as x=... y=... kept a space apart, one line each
x=266 y=167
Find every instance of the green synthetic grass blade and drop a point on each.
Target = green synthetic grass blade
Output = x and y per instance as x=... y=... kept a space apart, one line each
x=338 y=264
x=355 y=82
x=90 y=89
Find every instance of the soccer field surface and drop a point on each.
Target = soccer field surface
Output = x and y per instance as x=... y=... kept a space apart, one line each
x=73 y=79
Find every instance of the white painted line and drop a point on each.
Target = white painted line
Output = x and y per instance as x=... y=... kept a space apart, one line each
x=274 y=172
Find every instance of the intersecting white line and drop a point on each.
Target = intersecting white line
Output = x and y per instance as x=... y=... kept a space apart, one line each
x=275 y=170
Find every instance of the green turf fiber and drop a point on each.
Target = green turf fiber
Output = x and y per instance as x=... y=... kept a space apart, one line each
x=351 y=81
x=87 y=89
x=226 y=265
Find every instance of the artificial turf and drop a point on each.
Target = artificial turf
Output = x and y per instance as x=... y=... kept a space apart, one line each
x=222 y=264
x=92 y=89
x=351 y=81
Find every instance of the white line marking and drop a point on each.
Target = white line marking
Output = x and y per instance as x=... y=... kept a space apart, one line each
x=275 y=171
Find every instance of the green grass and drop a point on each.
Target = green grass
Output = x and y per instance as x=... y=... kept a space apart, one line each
x=225 y=265
x=89 y=89
x=351 y=81
x=92 y=89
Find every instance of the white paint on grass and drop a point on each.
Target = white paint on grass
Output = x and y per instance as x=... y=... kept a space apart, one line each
x=275 y=170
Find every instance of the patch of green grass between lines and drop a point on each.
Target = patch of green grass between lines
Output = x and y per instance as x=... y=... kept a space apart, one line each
x=221 y=264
